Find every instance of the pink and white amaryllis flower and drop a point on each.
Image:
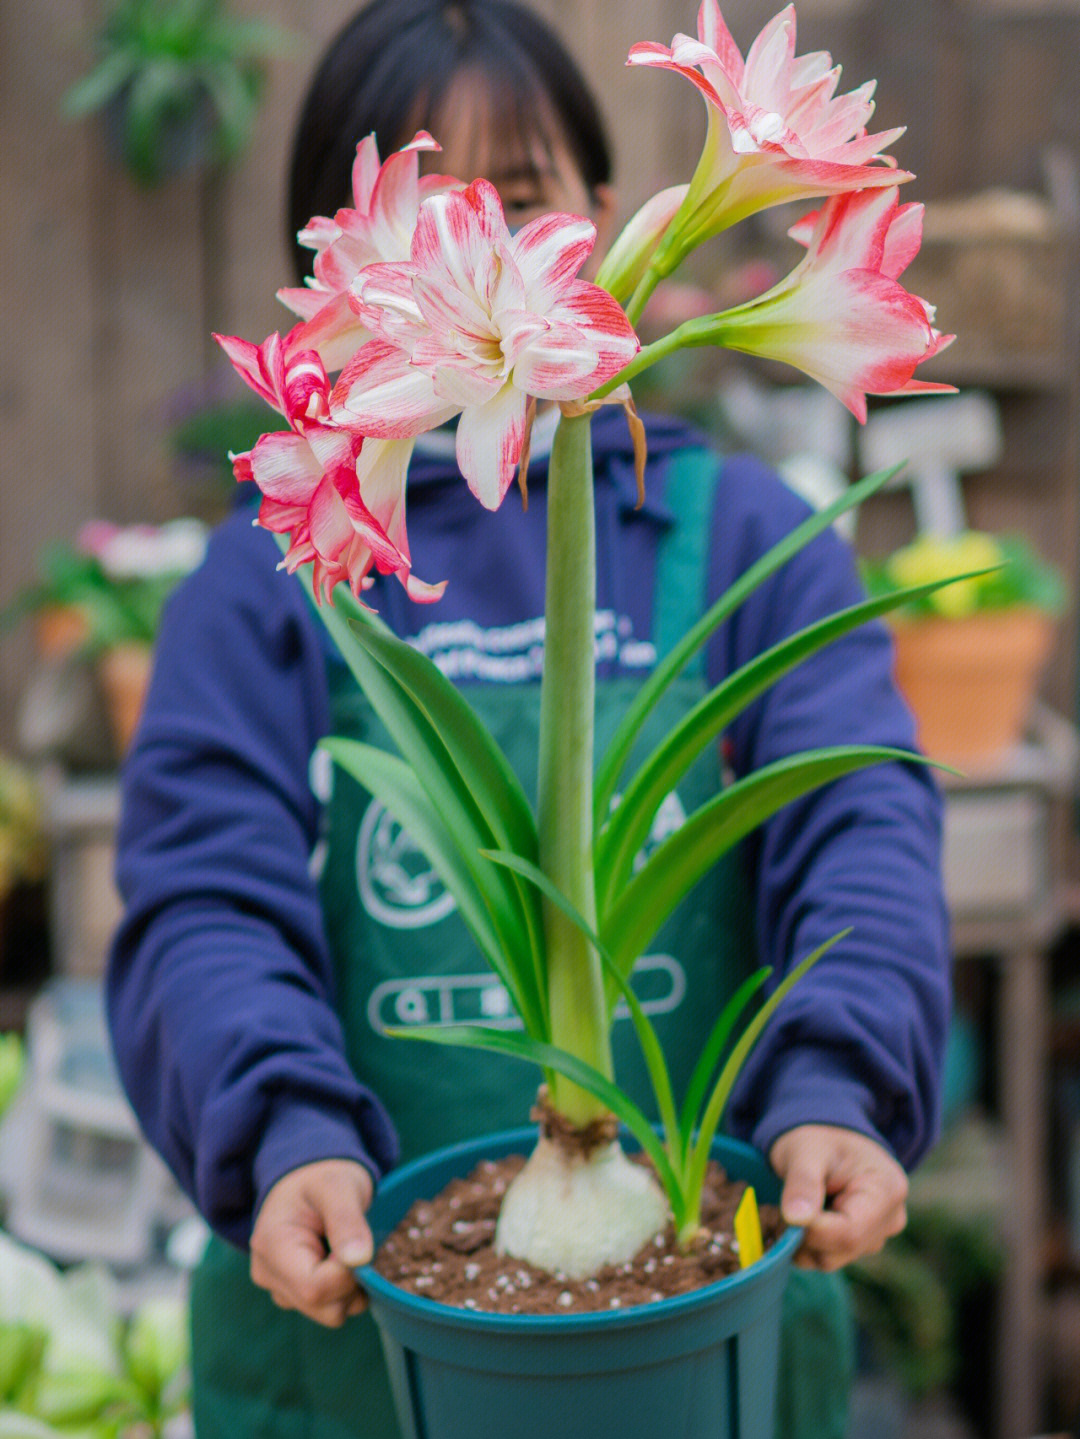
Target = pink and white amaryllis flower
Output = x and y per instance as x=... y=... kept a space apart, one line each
x=842 y=316
x=378 y=226
x=777 y=130
x=340 y=499
x=476 y=323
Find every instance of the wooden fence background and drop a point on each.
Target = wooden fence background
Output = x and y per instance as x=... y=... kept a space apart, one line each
x=110 y=292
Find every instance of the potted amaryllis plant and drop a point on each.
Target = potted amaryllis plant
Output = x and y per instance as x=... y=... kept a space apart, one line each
x=433 y=311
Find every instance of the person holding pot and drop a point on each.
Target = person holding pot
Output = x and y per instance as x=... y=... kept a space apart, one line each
x=278 y=920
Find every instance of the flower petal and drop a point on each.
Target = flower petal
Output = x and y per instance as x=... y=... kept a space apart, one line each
x=285 y=469
x=261 y=366
x=549 y=251
x=387 y=397
x=334 y=331
x=489 y=441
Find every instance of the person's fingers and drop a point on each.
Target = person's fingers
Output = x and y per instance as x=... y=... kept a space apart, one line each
x=342 y=1201
x=861 y=1217
x=309 y=1236
x=804 y=1187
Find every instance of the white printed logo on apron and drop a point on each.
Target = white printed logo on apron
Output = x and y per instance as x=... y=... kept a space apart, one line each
x=397 y=884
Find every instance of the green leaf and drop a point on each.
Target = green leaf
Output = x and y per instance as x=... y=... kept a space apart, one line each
x=644 y=1028
x=628 y=825
x=452 y=794
x=547 y=1056
x=161 y=92
x=393 y=782
x=235 y=102
x=714 y=1045
x=96 y=89
x=676 y=866
x=622 y=742
x=428 y=716
x=478 y=758
x=722 y=1090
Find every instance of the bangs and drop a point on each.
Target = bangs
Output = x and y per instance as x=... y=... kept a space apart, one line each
x=504 y=123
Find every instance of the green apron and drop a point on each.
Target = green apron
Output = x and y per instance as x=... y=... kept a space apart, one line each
x=260 y=1371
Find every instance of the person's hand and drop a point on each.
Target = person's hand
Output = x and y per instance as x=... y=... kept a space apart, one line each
x=309 y=1235
x=844 y=1189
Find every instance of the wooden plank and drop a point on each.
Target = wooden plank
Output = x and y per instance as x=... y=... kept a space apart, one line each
x=47 y=391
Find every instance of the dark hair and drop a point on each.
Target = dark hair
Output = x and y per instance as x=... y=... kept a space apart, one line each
x=389 y=70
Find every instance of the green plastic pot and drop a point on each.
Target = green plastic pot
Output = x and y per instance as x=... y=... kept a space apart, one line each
x=697 y=1366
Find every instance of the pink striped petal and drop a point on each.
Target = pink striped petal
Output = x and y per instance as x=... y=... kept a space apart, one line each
x=285 y=468
x=559 y=365
x=713 y=32
x=444 y=309
x=334 y=445
x=303 y=300
x=365 y=172
x=383 y=299
x=331 y=528
x=603 y=319
x=319 y=232
x=261 y=366
x=381 y=473
x=519 y=328
x=281 y=518
x=660 y=56
x=549 y=251
x=904 y=239
x=335 y=332
x=385 y=396
x=489 y=441
x=451 y=239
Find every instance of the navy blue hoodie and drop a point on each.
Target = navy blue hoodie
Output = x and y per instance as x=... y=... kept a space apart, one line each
x=220 y=988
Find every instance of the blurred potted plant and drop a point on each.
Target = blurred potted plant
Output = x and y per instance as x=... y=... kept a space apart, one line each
x=103 y=596
x=178 y=81
x=23 y=849
x=72 y=1362
x=969 y=657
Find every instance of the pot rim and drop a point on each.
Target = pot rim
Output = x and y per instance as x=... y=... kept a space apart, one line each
x=494 y=1145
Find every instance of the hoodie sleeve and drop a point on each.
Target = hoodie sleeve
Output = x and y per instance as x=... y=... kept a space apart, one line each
x=219 y=988
x=860 y=1040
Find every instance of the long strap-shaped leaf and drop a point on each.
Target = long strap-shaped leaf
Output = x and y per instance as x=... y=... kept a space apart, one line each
x=638 y=912
x=622 y=742
x=472 y=884
x=478 y=758
x=629 y=823
x=710 y=1054
x=722 y=1089
x=514 y=911
x=523 y=1046
x=484 y=769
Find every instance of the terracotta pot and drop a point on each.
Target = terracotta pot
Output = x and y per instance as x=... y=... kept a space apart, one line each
x=59 y=630
x=970 y=682
x=125 y=673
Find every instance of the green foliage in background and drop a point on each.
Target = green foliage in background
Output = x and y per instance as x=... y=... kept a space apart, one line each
x=181 y=78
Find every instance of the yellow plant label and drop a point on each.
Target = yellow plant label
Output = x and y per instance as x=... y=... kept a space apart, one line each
x=748 y=1229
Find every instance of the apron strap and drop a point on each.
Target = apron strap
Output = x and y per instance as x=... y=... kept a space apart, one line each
x=682 y=559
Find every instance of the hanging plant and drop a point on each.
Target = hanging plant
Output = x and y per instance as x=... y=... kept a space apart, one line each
x=178 y=83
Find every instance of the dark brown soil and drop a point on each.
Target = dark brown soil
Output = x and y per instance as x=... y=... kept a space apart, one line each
x=443 y=1249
